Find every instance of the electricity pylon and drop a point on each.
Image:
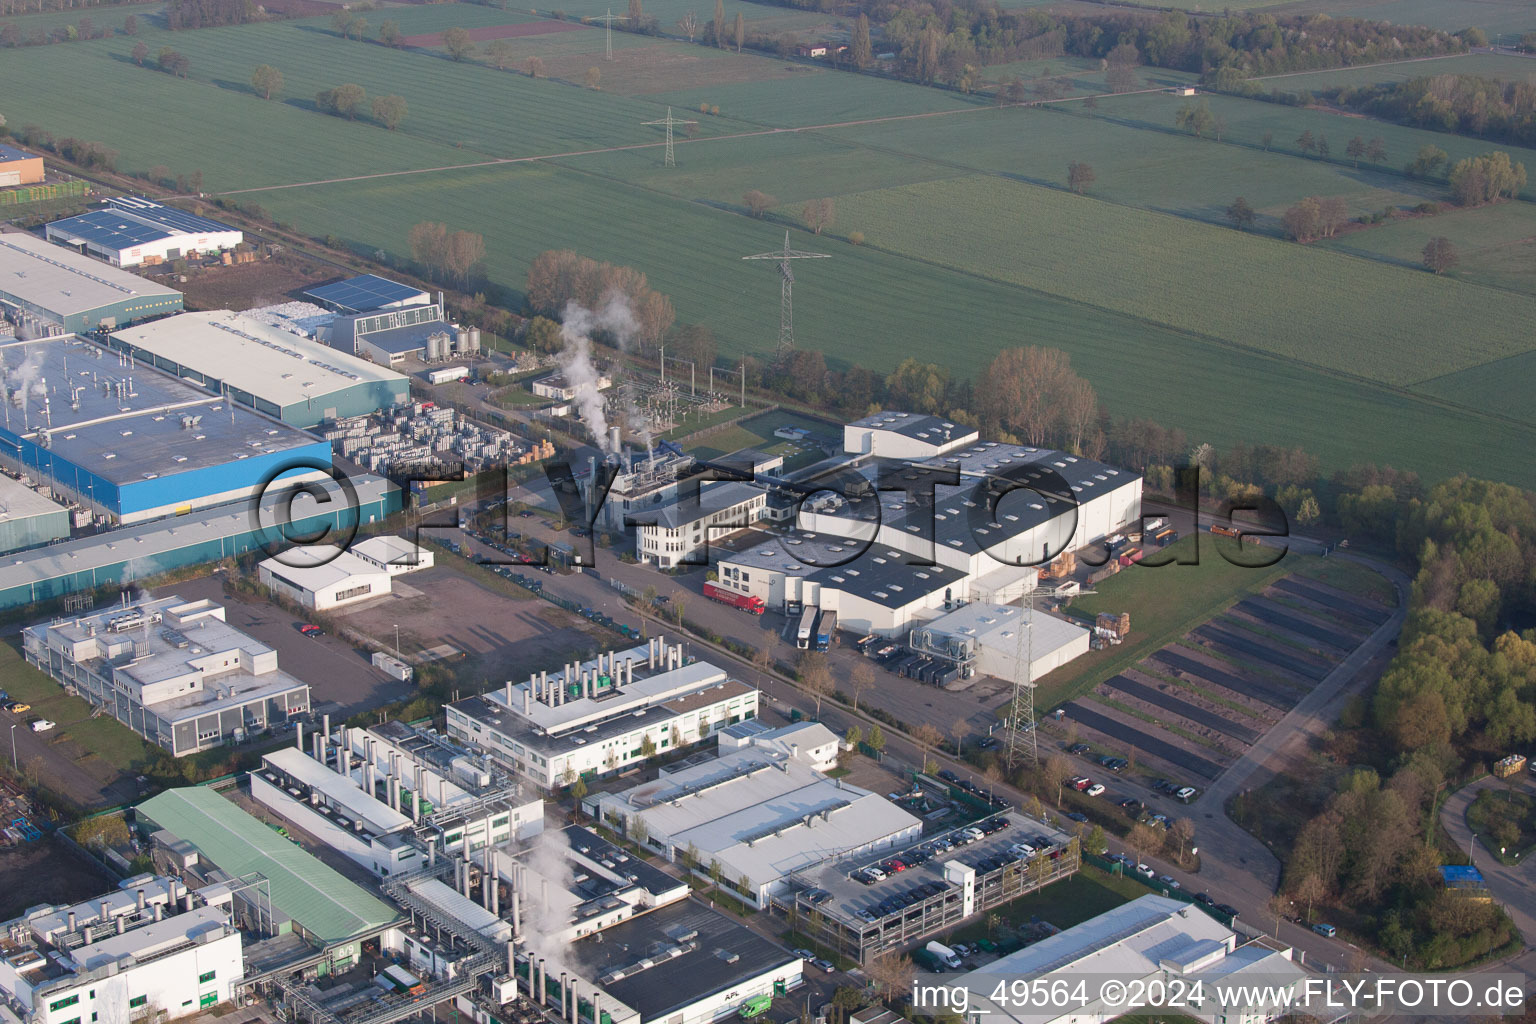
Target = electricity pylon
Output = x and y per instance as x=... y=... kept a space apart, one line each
x=786 y=301
x=1023 y=744
x=670 y=122
x=608 y=20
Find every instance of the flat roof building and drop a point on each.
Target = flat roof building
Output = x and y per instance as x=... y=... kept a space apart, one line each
x=681 y=532
x=134 y=444
x=173 y=671
x=295 y=379
x=1148 y=938
x=327 y=577
x=995 y=640
x=130 y=230
x=151 y=944
x=761 y=813
x=307 y=896
x=29 y=519
x=684 y=963
x=118 y=557
x=366 y=293
x=891 y=434
x=54 y=290
x=557 y=387
x=18 y=167
x=601 y=716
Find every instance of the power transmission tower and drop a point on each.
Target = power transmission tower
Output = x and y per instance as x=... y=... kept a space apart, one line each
x=1022 y=741
x=786 y=300
x=608 y=20
x=669 y=122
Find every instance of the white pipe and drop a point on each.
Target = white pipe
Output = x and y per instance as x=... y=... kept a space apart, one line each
x=298 y=735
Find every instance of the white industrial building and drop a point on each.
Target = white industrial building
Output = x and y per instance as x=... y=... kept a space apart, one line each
x=761 y=813
x=680 y=533
x=1151 y=938
x=809 y=742
x=888 y=560
x=173 y=671
x=129 y=230
x=560 y=389
x=150 y=950
x=999 y=640
x=601 y=716
x=328 y=577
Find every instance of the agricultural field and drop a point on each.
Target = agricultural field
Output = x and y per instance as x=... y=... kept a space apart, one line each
x=1277 y=297
x=106 y=16
x=767 y=18
x=1508 y=67
x=1509 y=17
x=1487 y=239
x=1150 y=166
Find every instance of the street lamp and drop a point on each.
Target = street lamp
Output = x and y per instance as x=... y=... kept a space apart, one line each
x=15 y=765
x=397 y=641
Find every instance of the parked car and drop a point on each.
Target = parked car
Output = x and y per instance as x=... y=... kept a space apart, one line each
x=1204 y=899
x=41 y=725
x=1077 y=816
x=1080 y=782
x=1145 y=870
x=311 y=630
x=1186 y=794
x=1079 y=748
x=1170 y=881
x=17 y=707
x=825 y=966
x=1097 y=789
x=948 y=776
x=1327 y=931
x=804 y=954
x=1226 y=908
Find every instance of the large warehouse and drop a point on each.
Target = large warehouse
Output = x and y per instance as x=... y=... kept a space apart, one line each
x=366 y=293
x=129 y=231
x=295 y=379
x=132 y=443
x=52 y=290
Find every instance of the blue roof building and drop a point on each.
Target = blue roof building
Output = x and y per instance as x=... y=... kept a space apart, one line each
x=129 y=231
x=367 y=293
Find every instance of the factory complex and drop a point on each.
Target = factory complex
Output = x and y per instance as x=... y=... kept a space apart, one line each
x=600 y=717
x=49 y=289
x=323 y=576
x=173 y=671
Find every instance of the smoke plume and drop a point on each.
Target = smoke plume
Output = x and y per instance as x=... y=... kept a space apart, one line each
x=616 y=318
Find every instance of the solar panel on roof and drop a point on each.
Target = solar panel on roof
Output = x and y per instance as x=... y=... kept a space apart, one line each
x=364 y=293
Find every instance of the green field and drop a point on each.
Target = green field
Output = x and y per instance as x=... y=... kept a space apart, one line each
x=110 y=16
x=1488 y=65
x=1495 y=244
x=1230 y=336
x=1511 y=17
x=1276 y=297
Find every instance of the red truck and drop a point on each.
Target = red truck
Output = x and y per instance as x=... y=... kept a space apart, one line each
x=753 y=605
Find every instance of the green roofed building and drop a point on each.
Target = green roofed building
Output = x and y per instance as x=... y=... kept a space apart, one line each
x=328 y=910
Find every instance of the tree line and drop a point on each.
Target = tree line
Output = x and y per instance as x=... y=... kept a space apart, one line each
x=1489 y=108
x=446 y=254
x=558 y=276
x=85 y=28
x=185 y=14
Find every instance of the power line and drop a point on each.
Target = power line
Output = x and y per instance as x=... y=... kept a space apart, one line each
x=608 y=20
x=786 y=299
x=669 y=122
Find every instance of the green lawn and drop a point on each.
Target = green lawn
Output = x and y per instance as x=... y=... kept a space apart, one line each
x=102 y=737
x=1350 y=577
x=1274 y=296
x=1086 y=894
x=1164 y=604
x=1488 y=65
x=110 y=16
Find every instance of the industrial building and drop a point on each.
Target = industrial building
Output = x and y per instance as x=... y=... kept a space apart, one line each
x=886 y=560
x=48 y=289
x=601 y=716
x=949 y=879
x=809 y=742
x=760 y=813
x=283 y=375
x=119 y=557
x=681 y=532
x=391 y=336
x=151 y=950
x=129 y=231
x=367 y=293
x=999 y=640
x=18 y=167
x=327 y=576
x=560 y=389
x=641 y=485
x=29 y=519
x=280 y=889
x=134 y=444
x=173 y=671
x=1151 y=938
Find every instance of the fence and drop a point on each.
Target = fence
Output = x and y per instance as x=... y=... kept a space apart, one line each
x=41 y=193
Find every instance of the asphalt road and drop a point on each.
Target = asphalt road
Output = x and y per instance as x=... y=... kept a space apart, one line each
x=1511 y=885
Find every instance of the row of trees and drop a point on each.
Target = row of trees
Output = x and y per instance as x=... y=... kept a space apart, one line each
x=1468 y=104
x=345 y=100
x=446 y=254
x=85 y=28
x=1315 y=217
x=558 y=276
x=182 y=14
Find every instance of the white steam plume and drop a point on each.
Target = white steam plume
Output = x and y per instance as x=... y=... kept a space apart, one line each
x=614 y=316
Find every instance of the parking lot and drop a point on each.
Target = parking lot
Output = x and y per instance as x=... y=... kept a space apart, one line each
x=1194 y=706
